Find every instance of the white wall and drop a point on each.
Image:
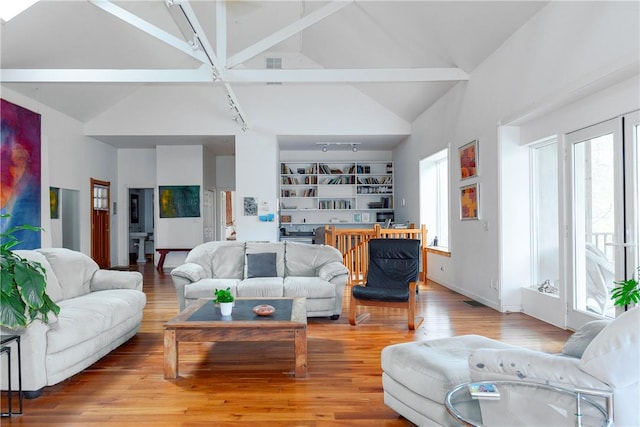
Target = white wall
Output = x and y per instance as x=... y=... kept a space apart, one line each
x=257 y=166
x=567 y=49
x=69 y=160
x=226 y=172
x=178 y=165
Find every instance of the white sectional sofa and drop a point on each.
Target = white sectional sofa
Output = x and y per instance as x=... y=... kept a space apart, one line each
x=279 y=269
x=99 y=311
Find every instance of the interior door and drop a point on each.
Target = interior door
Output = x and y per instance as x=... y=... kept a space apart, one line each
x=208 y=216
x=604 y=215
x=100 y=220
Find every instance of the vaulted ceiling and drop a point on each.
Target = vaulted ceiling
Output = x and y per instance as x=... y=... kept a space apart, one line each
x=403 y=55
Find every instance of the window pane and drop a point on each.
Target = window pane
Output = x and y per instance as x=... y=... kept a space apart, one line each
x=594 y=223
x=434 y=197
x=545 y=215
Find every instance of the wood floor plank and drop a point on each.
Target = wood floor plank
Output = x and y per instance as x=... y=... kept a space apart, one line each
x=242 y=383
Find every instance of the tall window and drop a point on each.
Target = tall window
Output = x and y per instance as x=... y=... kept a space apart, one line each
x=434 y=198
x=544 y=216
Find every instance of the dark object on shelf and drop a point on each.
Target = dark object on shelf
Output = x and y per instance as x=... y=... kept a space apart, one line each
x=384 y=216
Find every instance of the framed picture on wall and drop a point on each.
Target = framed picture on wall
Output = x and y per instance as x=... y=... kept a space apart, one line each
x=134 y=217
x=469 y=202
x=54 y=201
x=469 y=160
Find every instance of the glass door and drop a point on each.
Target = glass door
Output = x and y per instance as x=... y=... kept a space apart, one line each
x=630 y=246
x=604 y=210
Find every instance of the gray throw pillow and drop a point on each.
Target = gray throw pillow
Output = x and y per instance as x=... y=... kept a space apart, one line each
x=578 y=342
x=261 y=265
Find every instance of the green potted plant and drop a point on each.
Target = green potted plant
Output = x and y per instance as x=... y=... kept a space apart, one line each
x=224 y=297
x=626 y=292
x=23 y=284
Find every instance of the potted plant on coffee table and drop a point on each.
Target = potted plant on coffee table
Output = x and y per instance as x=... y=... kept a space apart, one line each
x=22 y=284
x=224 y=297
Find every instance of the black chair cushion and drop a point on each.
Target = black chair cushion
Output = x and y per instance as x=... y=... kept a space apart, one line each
x=393 y=264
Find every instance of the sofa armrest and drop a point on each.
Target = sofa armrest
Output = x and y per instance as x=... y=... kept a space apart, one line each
x=520 y=364
x=332 y=270
x=103 y=280
x=184 y=275
x=190 y=271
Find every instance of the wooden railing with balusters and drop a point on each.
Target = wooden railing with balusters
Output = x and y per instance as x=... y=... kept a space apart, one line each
x=353 y=244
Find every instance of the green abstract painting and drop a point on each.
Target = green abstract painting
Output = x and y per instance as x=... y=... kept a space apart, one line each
x=179 y=201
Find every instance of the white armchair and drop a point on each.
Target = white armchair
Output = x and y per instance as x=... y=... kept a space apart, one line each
x=610 y=361
x=602 y=355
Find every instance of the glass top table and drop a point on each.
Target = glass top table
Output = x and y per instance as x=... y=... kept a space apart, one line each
x=527 y=404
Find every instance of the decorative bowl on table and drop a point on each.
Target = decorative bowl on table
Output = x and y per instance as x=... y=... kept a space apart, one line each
x=264 y=309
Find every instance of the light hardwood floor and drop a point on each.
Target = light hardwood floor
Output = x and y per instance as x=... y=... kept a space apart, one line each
x=230 y=384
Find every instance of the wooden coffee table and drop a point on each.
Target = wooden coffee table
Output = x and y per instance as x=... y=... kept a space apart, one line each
x=202 y=322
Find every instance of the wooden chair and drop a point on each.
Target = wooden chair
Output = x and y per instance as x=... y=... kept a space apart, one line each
x=392 y=279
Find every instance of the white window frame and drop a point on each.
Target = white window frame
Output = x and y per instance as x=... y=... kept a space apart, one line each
x=431 y=198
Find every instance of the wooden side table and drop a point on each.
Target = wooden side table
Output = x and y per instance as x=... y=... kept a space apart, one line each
x=5 y=347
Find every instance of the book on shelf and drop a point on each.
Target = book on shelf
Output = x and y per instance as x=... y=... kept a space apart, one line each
x=484 y=391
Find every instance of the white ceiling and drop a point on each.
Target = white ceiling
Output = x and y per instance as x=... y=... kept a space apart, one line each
x=364 y=34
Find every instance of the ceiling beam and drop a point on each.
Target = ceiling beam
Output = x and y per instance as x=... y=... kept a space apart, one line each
x=353 y=75
x=150 y=29
x=200 y=34
x=205 y=74
x=221 y=32
x=286 y=32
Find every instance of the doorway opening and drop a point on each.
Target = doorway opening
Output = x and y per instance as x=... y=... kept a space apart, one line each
x=227 y=215
x=141 y=225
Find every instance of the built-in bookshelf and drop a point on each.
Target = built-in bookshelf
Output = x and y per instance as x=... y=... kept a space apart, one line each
x=335 y=192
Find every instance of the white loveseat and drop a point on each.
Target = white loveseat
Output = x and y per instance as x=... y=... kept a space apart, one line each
x=99 y=311
x=601 y=355
x=279 y=269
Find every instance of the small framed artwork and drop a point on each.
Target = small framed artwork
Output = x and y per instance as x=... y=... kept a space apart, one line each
x=469 y=202
x=469 y=160
x=366 y=217
x=134 y=215
x=54 y=201
x=250 y=206
x=357 y=217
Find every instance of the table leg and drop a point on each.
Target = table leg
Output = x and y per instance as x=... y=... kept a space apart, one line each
x=300 y=348
x=7 y=350
x=170 y=354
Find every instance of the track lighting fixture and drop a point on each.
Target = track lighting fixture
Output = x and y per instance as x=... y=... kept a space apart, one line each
x=326 y=145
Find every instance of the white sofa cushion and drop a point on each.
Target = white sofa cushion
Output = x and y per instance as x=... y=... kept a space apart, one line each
x=578 y=342
x=306 y=260
x=85 y=317
x=261 y=287
x=617 y=345
x=53 y=288
x=205 y=288
x=432 y=368
x=227 y=261
x=308 y=287
x=73 y=270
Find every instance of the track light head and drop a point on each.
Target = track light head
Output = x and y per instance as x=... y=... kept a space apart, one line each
x=324 y=148
x=354 y=147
